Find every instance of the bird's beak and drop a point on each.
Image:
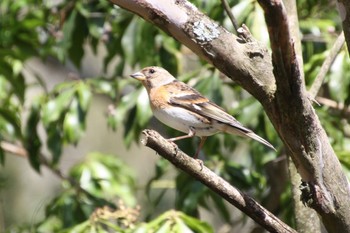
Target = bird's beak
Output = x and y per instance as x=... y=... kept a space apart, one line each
x=139 y=76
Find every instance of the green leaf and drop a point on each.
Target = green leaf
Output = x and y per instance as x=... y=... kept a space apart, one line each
x=74 y=31
x=80 y=228
x=106 y=176
x=54 y=140
x=10 y=122
x=190 y=195
x=166 y=227
x=220 y=206
x=76 y=50
x=17 y=85
x=68 y=28
x=105 y=86
x=32 y=141
x=73 y=127
x=128 y=41
x=84 y=95
x=118 y=115
x=54 y=108
x=339 y=80
x=195 y=224
x=2 y=156
x=143 y=109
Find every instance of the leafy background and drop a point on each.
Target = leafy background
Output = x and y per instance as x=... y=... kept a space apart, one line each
x=67 y=99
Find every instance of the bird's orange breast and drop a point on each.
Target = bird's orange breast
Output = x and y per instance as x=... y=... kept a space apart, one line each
x=159 y=98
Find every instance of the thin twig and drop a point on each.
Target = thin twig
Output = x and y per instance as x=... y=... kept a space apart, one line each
x=316 y=85
x=196 y=169
x=230 y=15
x=335 y=105
x=22 y=152
x=13 y=149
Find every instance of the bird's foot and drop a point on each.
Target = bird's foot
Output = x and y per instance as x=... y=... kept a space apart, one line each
x=176 y=148
x=200 y=163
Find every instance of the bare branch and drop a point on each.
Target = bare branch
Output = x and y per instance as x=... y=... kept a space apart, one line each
x=22 y=152
x=344 y=109
x=230 y=15
x=13 y=149
x=286 y=66
x=193 y=167
x=306 y=219
x=301 y=130
x=229 y=53
x=316 y=85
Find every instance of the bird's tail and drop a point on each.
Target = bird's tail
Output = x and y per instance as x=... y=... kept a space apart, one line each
x=259 y=139
x=242 y=131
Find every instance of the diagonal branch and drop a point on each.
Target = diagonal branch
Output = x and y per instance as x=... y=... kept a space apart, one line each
x=248 y=205
x=247 y=63
x=316 y=85
x=22 y=152
x=230 y=15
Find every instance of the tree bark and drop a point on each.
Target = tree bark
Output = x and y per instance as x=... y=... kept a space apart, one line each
x=277 y=83
x=306 y=219
x=344 y=13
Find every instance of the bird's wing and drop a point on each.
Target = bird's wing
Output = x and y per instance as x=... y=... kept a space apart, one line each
x=192 y=100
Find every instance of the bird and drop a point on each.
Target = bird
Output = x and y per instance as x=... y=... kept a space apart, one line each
x=183 y=108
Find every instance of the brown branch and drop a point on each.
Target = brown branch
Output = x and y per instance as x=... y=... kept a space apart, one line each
x=306 y=219
x=300 y=129
x=229 y=53
x=344 y=109
x=13 y=149
x=283 y=53
x=22 y=152
x=230 y=15
x=193 y=167
x=327 y=63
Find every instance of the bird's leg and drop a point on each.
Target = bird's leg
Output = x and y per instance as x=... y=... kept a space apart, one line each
x=190 y=134
x=203 y=139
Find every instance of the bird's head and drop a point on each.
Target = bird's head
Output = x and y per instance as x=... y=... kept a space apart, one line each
x=153 y=76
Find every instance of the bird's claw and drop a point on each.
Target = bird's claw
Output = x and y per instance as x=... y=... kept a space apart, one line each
x=200 y=163
x=176 y=148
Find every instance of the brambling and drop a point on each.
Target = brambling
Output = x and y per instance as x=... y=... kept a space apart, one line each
x=183 y=108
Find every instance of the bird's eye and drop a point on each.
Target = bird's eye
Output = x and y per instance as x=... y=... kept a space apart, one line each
x=152 y=71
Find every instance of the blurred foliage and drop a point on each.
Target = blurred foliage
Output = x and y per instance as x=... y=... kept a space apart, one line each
x=99 y=194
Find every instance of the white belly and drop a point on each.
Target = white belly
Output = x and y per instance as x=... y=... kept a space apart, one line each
x=180 y=119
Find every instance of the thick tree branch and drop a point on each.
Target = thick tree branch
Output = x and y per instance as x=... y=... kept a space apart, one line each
x=247 y=63
x=306 y=219
x=301 y=131
x=280 y=89
x=193 y=167
x=344 y=13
